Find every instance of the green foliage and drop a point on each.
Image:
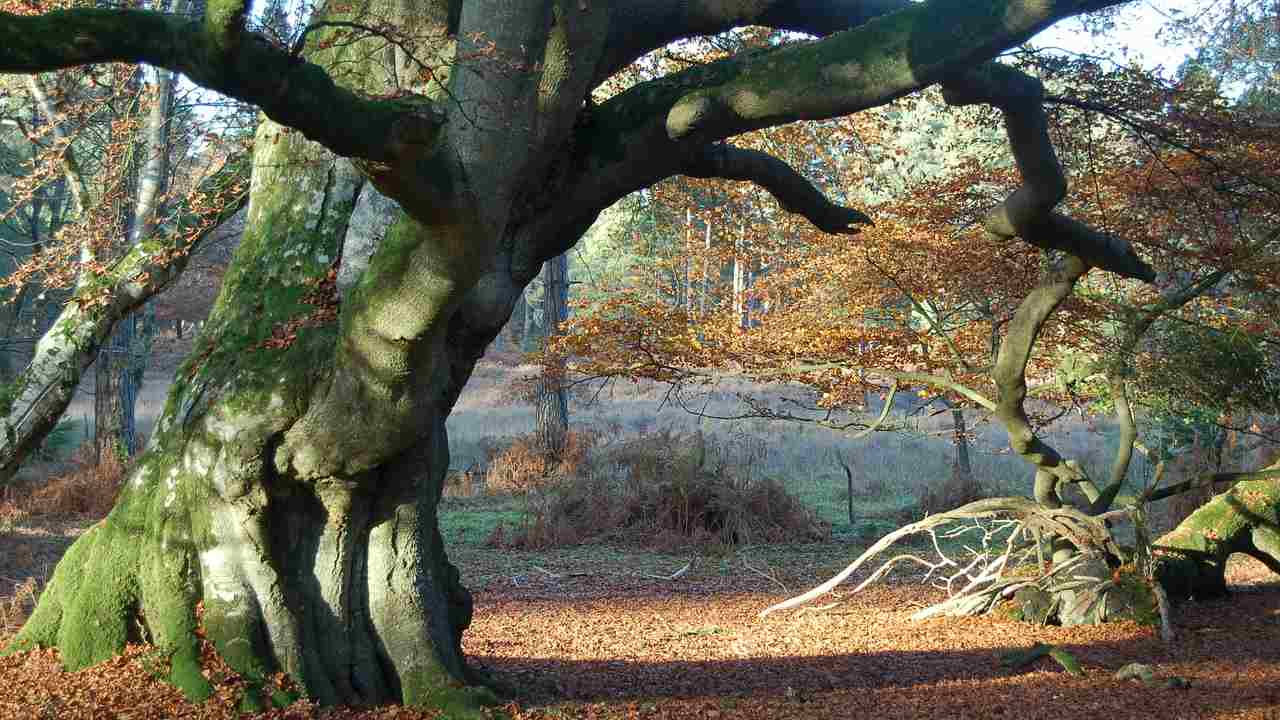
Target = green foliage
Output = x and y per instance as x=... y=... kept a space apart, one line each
x=1192 y=369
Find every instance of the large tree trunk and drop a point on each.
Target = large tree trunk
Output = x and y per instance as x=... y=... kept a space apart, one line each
x=339 y=580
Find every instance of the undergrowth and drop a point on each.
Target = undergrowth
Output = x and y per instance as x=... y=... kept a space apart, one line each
x=87 y=489
x=662 y=489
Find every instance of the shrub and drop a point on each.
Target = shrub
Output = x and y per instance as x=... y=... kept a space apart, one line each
x=522 y=466
x=88 y=489
x=662 y=489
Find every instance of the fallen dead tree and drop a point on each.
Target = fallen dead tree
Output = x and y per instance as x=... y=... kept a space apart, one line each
x=1001 y=549
x=1008 y=559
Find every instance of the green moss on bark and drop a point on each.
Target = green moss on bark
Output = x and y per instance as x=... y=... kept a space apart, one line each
x=1191 y=560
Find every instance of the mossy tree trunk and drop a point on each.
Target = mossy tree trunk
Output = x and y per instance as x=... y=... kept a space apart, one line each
x=1191 y=559
x=340 y=581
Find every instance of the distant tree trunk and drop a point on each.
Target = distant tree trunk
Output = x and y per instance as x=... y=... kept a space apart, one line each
x=962 y=442
x=530 y=332
x=706 y=283
x=121 y=362
x=114 y=395
x=687 y=285
x=552 y=404
x=848 y=480
x=740 y=277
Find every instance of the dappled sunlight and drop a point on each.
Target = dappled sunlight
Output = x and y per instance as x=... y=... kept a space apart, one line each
x=681 y=645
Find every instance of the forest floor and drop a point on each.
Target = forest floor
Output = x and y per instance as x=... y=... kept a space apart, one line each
x=596 y=631
x=602 y=630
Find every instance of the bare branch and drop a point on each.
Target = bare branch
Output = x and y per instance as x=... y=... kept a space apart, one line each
x=794 y=192
x=1084 y=531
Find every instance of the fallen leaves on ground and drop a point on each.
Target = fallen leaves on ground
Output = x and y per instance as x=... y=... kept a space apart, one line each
x=616 y=645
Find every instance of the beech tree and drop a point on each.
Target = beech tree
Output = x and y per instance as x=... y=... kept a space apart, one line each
x=935 y=298
x=419 y=163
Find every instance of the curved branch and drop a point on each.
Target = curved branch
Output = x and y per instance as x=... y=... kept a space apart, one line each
x=793 y=191
x=886 y=58
x=1136 y=325
x=1028 y=212
x=237 y=63
x=924 y=378
x=636 y=28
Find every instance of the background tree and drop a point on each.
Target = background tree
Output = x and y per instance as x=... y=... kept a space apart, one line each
x=1175 y=168
x=551 y=404
x=98 y=184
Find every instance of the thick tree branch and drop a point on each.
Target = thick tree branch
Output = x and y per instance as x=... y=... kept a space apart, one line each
x=239 y=64
x=850 y=71
x=645 y=134
x=793 y=191
x=1028 y=212
x=636 y=28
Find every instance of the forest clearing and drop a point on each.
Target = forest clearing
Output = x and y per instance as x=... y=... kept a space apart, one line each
x=602 y=629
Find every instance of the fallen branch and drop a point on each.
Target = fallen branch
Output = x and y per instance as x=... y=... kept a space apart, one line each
x=1081 y=530
x=673 y=576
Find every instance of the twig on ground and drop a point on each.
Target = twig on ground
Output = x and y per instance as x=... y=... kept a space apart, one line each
x=673 y=576
x=767 y=576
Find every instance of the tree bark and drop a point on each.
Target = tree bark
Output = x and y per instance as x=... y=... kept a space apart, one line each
x=340 y=581
x=114 y=396
x=552 y=402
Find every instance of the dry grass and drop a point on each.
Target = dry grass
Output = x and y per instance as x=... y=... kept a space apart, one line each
x=11 y=514
x=522 y=466
x=665 y=489
x=87 y=489
x=15 y=607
